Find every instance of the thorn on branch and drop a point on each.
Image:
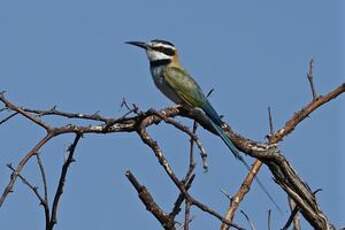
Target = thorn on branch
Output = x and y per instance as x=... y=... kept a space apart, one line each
x=134 y=109
x=52 y=110
x=269 y=219
x=227 y=195
x=252 y=227
x=270 y=119
x=270 y=123
x=210 y=92
x=318 y=190
x=310 y=77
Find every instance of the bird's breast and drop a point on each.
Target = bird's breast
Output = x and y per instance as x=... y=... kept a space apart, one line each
x=162 y=85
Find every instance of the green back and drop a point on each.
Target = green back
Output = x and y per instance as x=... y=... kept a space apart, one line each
x=185 y=86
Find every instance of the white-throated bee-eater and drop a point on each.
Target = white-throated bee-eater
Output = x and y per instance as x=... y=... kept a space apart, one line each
x=175 y=83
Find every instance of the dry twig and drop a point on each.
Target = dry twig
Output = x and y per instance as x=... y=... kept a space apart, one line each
x=268 y=154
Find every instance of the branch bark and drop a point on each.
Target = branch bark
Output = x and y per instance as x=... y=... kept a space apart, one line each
x=290 y=125
x=265 y=153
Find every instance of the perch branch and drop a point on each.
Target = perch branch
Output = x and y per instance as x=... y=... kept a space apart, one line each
x=273 y=139
x=147 y=139
x=283 y=173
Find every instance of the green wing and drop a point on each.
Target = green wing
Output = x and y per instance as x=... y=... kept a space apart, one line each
x=185 y=86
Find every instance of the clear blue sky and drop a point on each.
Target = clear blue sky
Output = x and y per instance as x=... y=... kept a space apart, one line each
x=72 y=54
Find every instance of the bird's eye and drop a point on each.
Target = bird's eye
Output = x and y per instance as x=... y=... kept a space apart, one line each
x=165 y=50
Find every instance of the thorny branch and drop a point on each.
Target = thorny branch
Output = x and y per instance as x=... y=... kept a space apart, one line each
x=145 y=196
x=34 y=190
x=268 y=154
x=147 y=139
x=185 y=129
x=9 y=188
x=274 y=138
x=61 y=184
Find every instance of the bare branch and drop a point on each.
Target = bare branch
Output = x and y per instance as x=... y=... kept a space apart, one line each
x=166 y=221
x=8 y=117
x=299 y=116
x=177 y=205
x=291 y=218
x=296 y=220
x=21 y=165
x=186 y=130
x=45 y=188
x=187 y=181
x=191 y=153
x=187 y=218
x=13 y=107
x=147 y=139
x=27 y=183
x=54 y=112
x=59 y=190
x=247 y=145
x=238 y=197
x=43 y=175
x=269 y=154
x=34 y=189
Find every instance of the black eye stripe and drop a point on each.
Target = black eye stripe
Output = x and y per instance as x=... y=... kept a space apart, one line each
x=165 y=50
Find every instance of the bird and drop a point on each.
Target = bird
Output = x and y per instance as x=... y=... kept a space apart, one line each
x=180 y=87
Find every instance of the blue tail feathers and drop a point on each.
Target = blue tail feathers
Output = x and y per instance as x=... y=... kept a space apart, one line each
x=217 y=123
x=237 y=155
x=228 y=142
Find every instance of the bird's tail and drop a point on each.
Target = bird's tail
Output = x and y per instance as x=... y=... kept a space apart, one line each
x=237 y=155
x=228 y=142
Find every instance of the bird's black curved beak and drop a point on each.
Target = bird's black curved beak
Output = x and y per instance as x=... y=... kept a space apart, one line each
x=138 y=44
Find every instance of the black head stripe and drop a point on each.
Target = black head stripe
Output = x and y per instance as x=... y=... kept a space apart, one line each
x=163 y=42
x=165 y=50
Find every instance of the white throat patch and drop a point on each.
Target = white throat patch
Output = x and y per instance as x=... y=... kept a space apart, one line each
x=154 y=55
